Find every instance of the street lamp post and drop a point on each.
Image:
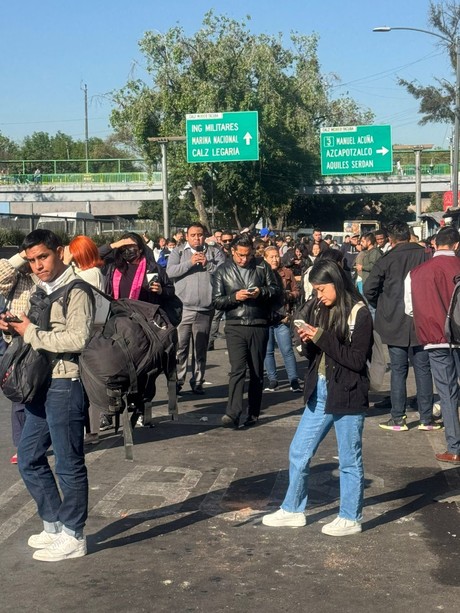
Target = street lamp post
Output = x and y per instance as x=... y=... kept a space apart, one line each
x=163 y=142
x=455 y=156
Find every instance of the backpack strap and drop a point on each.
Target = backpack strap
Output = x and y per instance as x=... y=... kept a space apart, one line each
x=65 y=291
x=129 y=362
x=352 y=317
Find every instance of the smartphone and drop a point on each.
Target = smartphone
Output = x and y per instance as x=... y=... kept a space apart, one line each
x=12 y=319
x=154 y=278
x=300 y=323
x=251 y=289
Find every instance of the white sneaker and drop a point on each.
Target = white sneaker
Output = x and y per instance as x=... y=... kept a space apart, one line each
x=341 y=527
x=284 y=518
x=42 y=540
x=62 y=548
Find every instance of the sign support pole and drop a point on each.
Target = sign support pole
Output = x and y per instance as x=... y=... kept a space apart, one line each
x=163 y=142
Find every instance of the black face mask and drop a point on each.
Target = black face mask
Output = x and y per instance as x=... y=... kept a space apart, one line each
x=129 y=254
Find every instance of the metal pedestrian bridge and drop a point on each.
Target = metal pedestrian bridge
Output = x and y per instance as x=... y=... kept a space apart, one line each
x=120 y=192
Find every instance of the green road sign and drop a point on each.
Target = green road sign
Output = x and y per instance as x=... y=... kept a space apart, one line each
x=222 y=137
x=356 y=150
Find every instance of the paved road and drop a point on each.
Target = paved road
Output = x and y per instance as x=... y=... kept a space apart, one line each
x=179 y=528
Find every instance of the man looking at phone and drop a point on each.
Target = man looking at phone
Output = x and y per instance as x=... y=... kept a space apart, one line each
x=191 y=268
x=56 y=416
x=245 y=290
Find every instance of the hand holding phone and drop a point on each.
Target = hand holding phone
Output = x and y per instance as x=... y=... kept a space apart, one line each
x=300 y=323
x=252 y=289
x=12 y=319
x=154 y=277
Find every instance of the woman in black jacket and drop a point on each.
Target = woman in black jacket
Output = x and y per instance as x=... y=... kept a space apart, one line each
x=337 y=340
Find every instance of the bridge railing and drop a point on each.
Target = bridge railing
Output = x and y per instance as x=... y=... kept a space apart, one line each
x=83 y=178
x=425 y=169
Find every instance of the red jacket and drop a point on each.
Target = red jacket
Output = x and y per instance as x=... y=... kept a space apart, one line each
x=432 y=285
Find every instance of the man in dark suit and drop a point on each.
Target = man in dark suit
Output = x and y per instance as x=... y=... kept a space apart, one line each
x=384 y=289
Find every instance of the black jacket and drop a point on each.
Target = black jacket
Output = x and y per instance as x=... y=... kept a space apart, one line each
x=346 y=365
x=108 y=255
x=228 y=280
x=384 y=289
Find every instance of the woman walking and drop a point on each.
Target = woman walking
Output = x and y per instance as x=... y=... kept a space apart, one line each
x=336 y=339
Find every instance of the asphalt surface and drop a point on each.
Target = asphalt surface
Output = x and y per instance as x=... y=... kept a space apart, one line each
x=179 y=528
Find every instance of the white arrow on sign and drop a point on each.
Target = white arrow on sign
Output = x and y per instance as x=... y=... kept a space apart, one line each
x=248 y=138
x=383 y=150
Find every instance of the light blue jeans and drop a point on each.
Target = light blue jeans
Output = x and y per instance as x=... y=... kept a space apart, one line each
x=312 y=429
x=282 y=334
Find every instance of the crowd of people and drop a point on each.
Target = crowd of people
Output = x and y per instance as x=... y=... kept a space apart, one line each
x=329 y=303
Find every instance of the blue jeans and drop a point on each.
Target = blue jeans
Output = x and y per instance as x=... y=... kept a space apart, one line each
x=18 y=418
x=57 y=419
x=312 y=429
x=282 y=334
x=399 y=359
x=445 y=366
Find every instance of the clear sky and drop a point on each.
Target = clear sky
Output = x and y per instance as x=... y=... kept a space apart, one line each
x=49 y=49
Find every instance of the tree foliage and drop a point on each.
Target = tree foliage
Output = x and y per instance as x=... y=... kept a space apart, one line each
x=44 y=148
x=437 y=102
x=225 y=67
x=9 y=150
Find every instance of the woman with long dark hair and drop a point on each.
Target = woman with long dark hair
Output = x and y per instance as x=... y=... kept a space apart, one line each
x=336 y=338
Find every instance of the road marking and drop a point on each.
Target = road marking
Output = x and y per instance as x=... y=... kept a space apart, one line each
x=211 y=504
x=27 y=511
x=172 y=493
x=11 y=492
x=11 y=525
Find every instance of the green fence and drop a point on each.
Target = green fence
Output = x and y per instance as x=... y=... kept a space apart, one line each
x=82 y=178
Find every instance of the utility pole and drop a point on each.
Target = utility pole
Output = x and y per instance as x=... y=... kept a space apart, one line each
x=85 y=90
x=417 y=149
x=418 y=184
x=163 y=142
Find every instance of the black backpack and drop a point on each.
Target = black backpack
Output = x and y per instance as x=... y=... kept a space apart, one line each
x=136 y=344
x=24 y=371
x=452 y=325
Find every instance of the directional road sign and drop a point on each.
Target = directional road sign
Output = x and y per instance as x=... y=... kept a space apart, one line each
x=222 y=137
x=356 y=150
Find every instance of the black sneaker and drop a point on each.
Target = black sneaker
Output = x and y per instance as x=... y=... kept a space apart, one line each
x=250 y=421
x=295 y=386
x=397 y=425
x=197 y=389
x=271 y=387
x=106 y=422
x=211 y=347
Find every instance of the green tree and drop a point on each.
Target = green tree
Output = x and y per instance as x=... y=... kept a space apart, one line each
x=225 y=67
x=437 y=102
x=38 y=146
x=395 y=206
x=436 y=203
x=9 y=150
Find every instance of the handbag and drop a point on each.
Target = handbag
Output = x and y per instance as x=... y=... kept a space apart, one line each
x=24 y=372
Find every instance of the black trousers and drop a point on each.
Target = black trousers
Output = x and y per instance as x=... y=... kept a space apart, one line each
x=246 y=347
